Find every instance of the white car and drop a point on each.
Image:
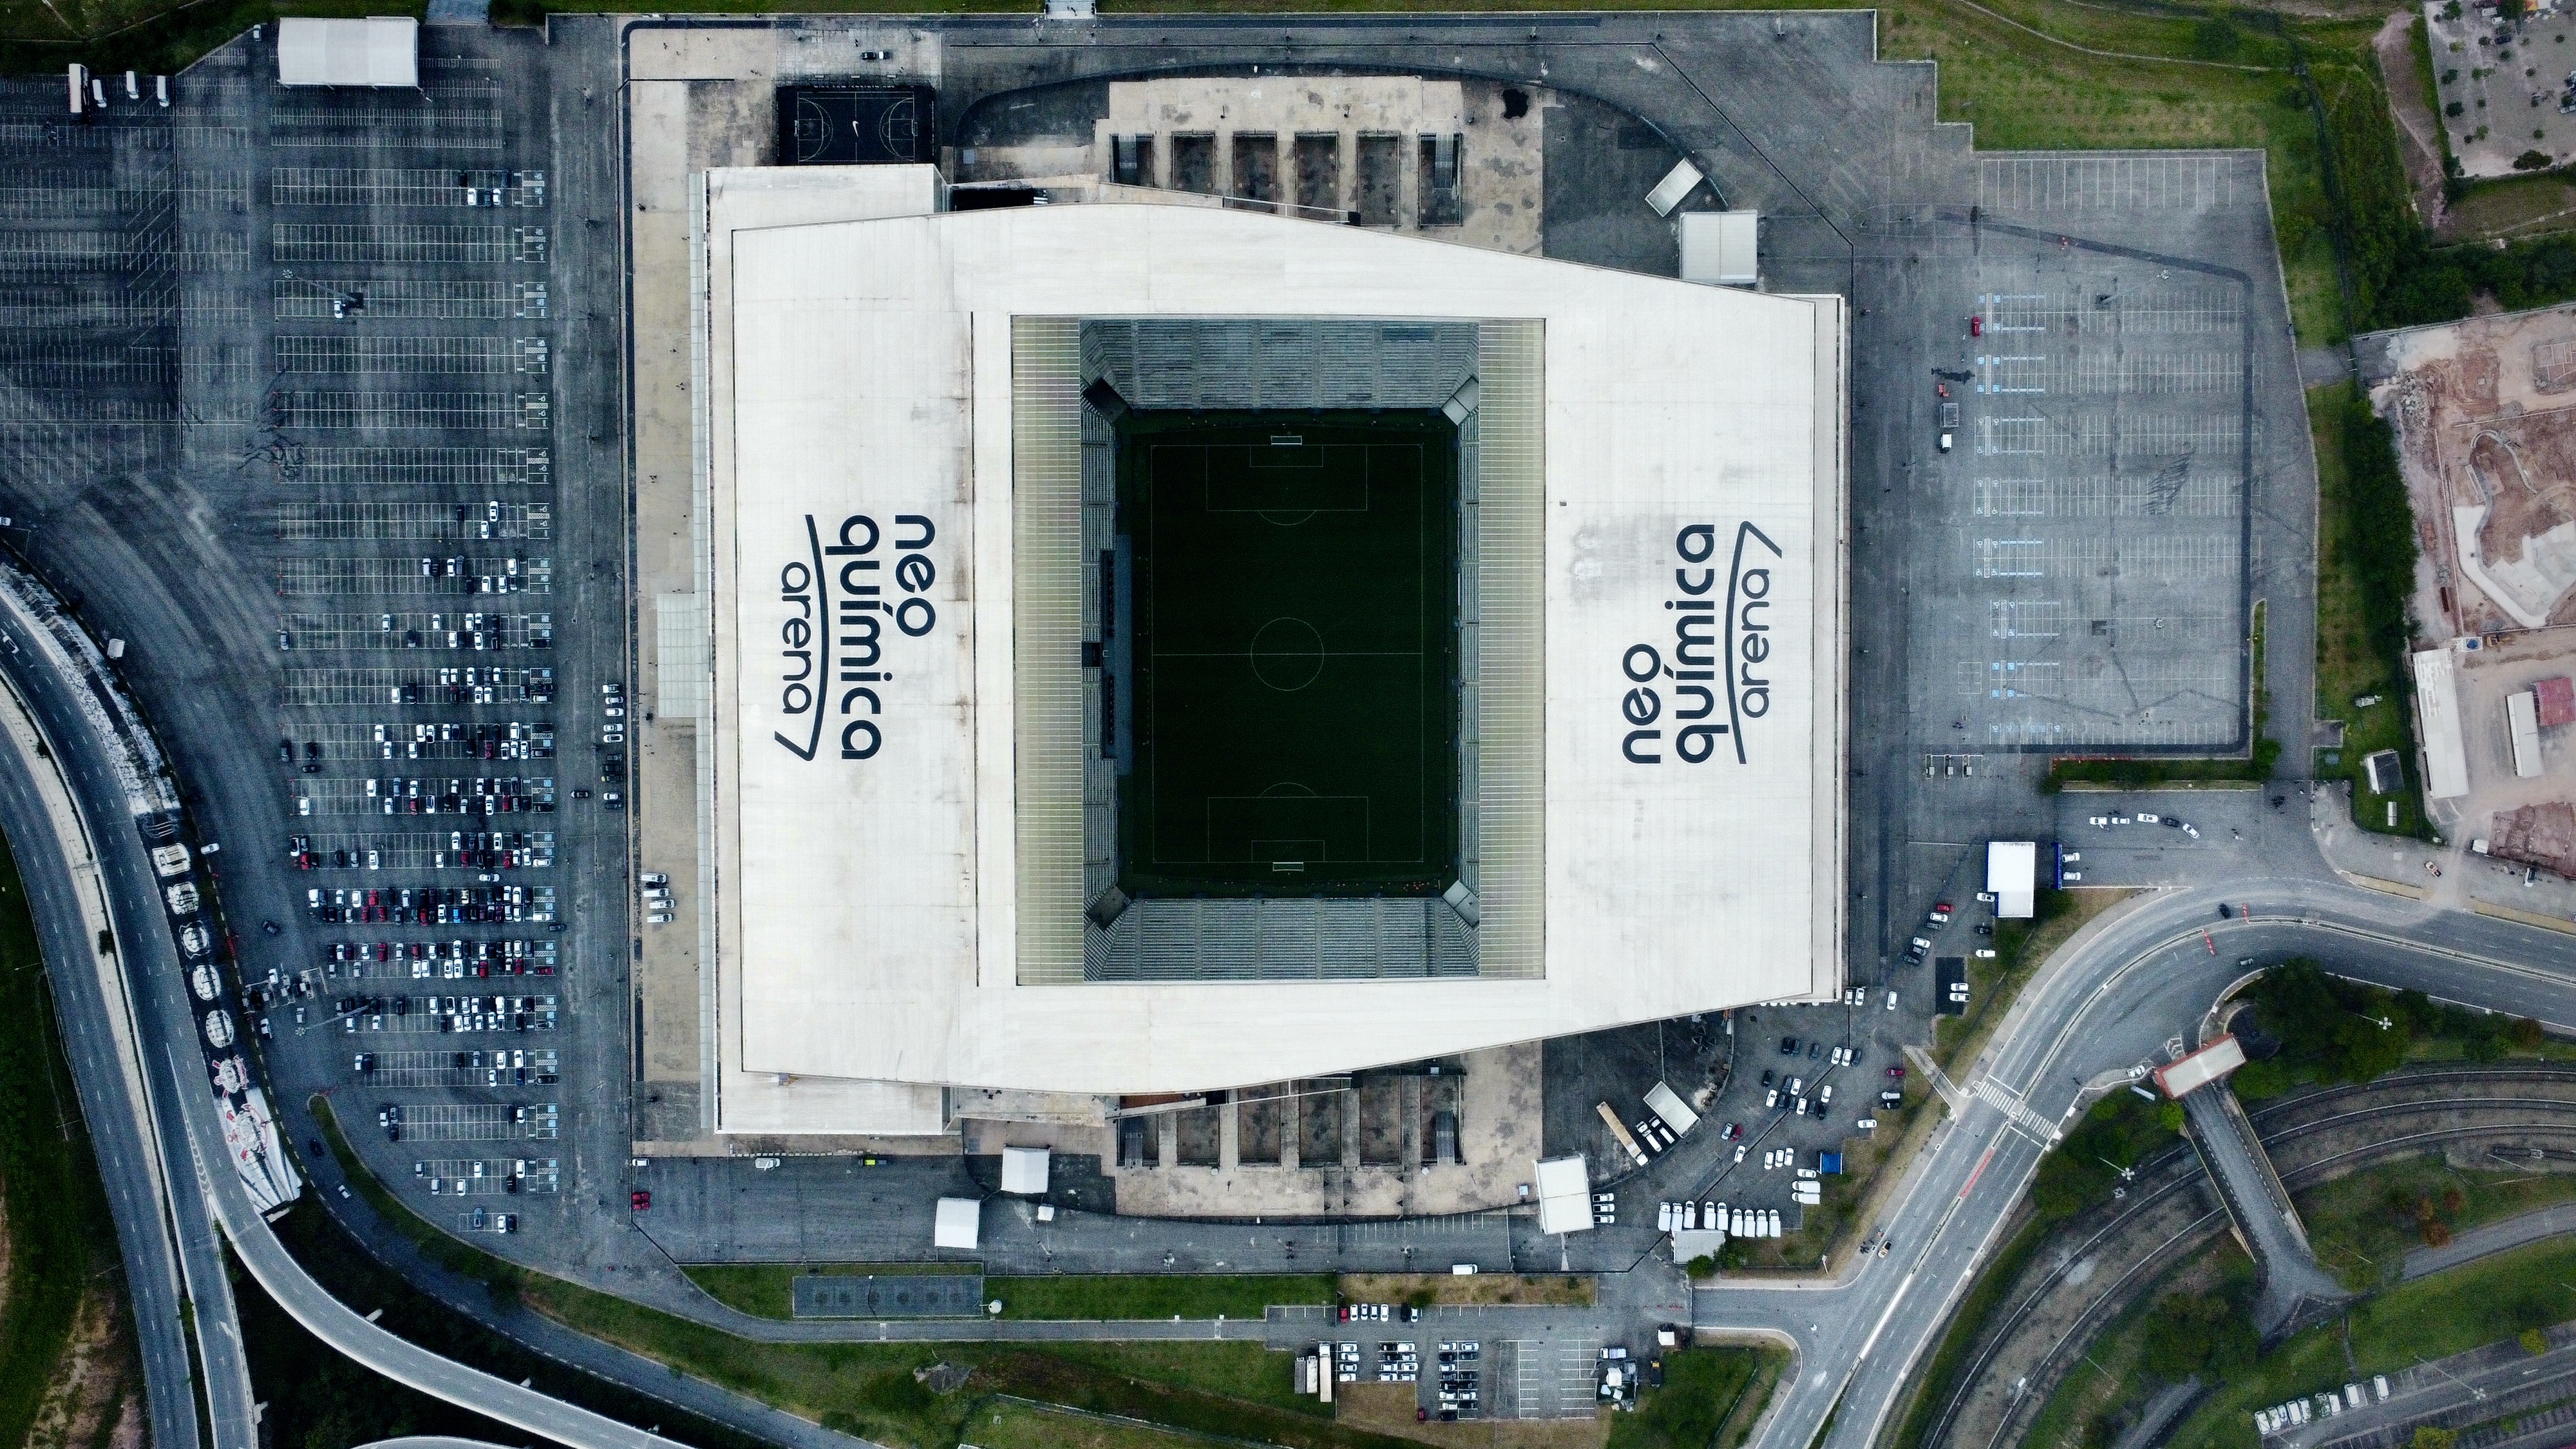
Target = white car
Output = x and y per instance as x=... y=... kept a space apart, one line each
x=1825 y=1094
x=2102 y=820
x=2191 y=830
x=2144 y=818
x=1771 y=1098
x=1985 y=954
x=1891 y=1001
x=1739 y=1152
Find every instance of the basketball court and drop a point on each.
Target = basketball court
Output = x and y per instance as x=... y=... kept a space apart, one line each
x=1295 y=593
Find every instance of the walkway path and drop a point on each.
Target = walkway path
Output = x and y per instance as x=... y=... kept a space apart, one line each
x=2295 y=1288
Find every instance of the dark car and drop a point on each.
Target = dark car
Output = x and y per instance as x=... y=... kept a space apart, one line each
x=1788 y=1046
x=286 y=752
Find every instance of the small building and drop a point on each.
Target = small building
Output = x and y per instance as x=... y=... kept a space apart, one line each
x=2437 y=719
x=379 y=51
x=2012 y=877
x=959 y=1224
x=2387 y=773
x=1564 y=1195
x=2557 y=701
x=2522 y=719
x=1718 y=247
x=1024 y=1171
x=2209 y=1064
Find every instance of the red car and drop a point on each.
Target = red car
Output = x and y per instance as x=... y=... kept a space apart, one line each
x=1733 y=1131
x=1897 y=1072
x=639 y=1199
x=1976 y=325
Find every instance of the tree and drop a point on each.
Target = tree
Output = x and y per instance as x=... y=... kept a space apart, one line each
x=2428 y=1437
x=2525 y=1035
x=2533 y=1341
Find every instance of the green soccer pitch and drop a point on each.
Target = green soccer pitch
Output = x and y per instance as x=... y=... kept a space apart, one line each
x=1295 y=653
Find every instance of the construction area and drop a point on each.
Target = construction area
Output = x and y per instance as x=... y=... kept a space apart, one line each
x=2484 y=413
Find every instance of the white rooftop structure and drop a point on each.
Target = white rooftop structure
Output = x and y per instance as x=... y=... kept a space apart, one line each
x=1666 y=1103
x=2012 y=877
x=2522 y=717
x=2437 y=715
x=959 y=1223
x=893 y=910
x=1718 y=247
x=1024 y=1171
x=1564 y=1195
x=380 y=50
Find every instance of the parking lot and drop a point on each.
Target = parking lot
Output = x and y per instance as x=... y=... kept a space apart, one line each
x=443 y=777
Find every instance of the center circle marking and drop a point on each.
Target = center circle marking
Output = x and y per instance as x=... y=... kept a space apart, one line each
x=1287 y=654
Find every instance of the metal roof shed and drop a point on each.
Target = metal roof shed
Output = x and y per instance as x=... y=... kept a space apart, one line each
x=381 y=50
x=2012 y=876
x=1024 y=1171
x=2437 y=709
x=1718 y=247
x=960 y=1224
x=1564 y=1195
x=2522 y=717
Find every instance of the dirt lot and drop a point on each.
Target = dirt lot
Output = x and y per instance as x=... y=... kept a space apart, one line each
x=1447 y=1288
x=1388 y=1408
x=95 y=1400
x=2485 y=417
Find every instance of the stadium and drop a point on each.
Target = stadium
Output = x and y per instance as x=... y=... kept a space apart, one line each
x=1158 y=648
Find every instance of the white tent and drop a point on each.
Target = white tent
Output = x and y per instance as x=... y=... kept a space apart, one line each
x=1564 y=1195
x=960 y=1224
x=380 y=50
x=1024 y=1170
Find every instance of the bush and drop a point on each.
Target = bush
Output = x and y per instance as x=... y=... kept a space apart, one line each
x=2533 y=1341
x=2188 y=1333
x=2120 y=1132
x=2453 y=109
x=2531 y=161
x=2525 y=1035
x=2329 y=1027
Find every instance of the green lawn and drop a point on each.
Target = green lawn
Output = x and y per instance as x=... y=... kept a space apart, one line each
x=1293 y=652
x=767 y=1290
x=1711 y=1399
x=2348 y=667
x=2479 y=1303
x=1141 y=1296
x=1236 y=1389
x=60 y=1240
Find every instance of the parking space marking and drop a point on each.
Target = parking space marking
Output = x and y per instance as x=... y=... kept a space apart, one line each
x=482 y=1122
x=426 y=850
x=489 y=1176
x=98 y=251
x=2116 y=183
x=465 y=633
x=340 y=353
x=456 y=1068
x=418 y=467
x=493 y=740
x=322 y=688
x=458 y=522
x=398 y=186
x=405 y=242
x=479 y=796
x=467 y=411
x=458 y=574
x=408 y=299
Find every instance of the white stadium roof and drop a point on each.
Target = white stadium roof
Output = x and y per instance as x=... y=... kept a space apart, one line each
x=871 y=839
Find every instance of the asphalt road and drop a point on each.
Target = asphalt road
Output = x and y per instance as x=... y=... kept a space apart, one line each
x=191 y=1127
x=119 y=1131
x=2116 y=1000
